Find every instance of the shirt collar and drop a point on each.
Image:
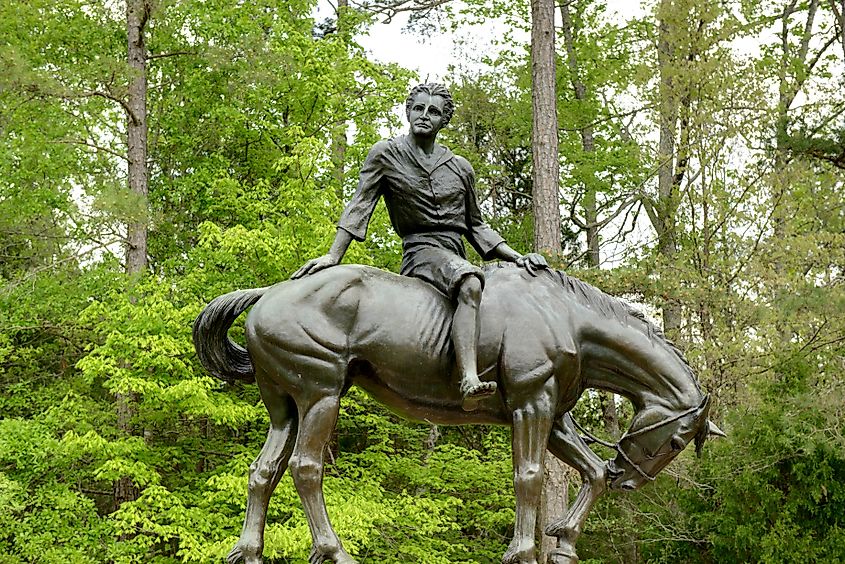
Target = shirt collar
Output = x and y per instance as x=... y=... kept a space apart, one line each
x=444 y=157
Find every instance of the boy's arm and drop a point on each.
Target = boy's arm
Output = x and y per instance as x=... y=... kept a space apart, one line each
x=334 y=256
x=356 y=216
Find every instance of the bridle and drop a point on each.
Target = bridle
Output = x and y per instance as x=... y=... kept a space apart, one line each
x=590 y=438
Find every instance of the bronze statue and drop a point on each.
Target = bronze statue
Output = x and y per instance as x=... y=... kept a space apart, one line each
x=430 y=197
x=536 y=337
x=544 y=339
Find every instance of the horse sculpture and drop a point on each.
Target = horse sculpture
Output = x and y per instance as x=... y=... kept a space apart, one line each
x=544 y=339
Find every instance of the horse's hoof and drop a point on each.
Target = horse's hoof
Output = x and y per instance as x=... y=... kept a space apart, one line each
x=562 y=556
x=520 y=554
x=518 y=560
x=239 y=554
x=338 y=556
x=323 y=559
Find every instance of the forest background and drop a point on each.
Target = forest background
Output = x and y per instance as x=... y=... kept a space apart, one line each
x=702 y=160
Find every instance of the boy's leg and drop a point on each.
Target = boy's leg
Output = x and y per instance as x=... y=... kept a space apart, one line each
x=465 y=331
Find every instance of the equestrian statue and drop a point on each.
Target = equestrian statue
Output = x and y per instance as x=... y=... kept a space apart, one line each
x=447 y=342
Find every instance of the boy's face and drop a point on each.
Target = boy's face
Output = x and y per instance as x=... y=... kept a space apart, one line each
x=426 y=114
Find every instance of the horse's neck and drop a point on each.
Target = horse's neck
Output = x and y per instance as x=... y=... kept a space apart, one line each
x=627 y=360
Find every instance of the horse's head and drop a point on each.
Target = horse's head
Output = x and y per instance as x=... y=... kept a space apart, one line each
x=657 y=435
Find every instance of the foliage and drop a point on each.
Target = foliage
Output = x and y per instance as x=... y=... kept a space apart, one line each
x=244 y=104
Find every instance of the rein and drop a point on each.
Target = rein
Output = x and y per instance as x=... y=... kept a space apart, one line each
x=590 y=438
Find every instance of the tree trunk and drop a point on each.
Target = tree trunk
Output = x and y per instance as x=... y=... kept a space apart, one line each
x=546 y=204
x=124 y=488
x=137 y=13
x=609 y=414
x=544 y=146
x=667 y=193
x=553 y=503
x=590 y=210
x=587 y=138
x=338 y=140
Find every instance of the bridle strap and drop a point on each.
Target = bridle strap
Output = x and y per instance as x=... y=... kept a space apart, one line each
x=634 y=465
x=661 y=423
x=590 y=438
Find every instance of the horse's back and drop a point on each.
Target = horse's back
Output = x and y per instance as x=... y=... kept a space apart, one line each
x=352 y=310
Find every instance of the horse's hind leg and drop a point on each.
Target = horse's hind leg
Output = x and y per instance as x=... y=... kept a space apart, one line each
x=316 y=423
x=265 y=473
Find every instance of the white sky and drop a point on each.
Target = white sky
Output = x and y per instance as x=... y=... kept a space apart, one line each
x=431 y=57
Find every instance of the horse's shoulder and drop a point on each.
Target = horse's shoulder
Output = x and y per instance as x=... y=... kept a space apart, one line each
x=527 y=307
x=501 y=275
x=507 y=279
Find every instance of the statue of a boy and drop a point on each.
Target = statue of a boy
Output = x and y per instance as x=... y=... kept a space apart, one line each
x=430 y=197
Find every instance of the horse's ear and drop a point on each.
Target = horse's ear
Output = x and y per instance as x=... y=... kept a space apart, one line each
x=714 y=430
x=704 y=426
x=710 y=429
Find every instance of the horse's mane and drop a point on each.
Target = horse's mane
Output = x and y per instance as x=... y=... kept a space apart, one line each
x=619 y=310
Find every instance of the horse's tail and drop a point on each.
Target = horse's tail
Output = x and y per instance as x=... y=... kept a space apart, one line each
x=221 y=356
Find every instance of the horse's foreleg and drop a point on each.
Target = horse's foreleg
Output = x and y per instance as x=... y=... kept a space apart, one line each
x=531 y=425
x=316 y=423
x=566 y=444
x=264 y=475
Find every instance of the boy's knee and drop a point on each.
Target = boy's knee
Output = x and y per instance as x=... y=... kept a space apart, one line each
x=470 y=290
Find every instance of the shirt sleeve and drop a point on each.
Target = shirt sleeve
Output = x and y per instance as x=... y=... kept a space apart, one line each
x=481 y=236
x=356 y=216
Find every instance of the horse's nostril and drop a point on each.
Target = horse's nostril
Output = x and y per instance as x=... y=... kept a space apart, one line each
x=613 y=471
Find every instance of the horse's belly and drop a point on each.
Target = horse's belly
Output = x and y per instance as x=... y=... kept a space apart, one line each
x=432 y=399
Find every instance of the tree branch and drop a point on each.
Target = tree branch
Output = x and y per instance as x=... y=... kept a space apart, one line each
x=839 y=20
x=621 y=208
x=93 y=146
x=171 y=54
x=108 y=96
x=391 y=8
